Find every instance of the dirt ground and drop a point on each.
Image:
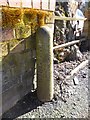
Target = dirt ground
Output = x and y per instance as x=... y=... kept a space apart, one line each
x=70 y=100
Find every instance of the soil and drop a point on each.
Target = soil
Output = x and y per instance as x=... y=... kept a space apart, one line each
x=70 y=100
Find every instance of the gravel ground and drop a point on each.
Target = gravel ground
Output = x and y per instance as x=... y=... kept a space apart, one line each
x=70 y=100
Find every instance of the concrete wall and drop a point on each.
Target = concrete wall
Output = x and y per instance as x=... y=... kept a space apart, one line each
x=18 y=69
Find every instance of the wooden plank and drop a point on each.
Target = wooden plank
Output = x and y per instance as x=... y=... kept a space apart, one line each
x=26 y=4
x=77 y=69
x=68 y=18
x=68 y=44
x=82 y=65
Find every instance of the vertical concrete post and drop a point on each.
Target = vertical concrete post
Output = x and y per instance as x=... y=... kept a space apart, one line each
x=44 y=49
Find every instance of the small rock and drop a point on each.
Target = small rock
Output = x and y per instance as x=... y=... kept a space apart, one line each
x=78 y=99
x=32 y=116
x=84 y=75
x=24 y=102
x=73 y=108
x=89 y=67
x=74 y=104
x=62 y=116
x=55 y=61
x=56 y=72
x=76 y=81
x=55 y=97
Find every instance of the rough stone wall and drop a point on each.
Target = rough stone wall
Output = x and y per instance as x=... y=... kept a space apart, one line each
x=18 y=69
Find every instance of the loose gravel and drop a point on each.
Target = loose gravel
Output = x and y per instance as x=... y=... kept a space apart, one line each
x=70 y=100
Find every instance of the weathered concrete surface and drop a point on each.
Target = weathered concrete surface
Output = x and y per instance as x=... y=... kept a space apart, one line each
x=0 y=88
x=17 y=73
x=44 y=50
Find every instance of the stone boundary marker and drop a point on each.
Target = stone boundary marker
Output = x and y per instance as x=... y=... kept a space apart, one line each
x=44 y=55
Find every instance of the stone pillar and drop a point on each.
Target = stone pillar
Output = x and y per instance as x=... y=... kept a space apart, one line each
x=44 y=50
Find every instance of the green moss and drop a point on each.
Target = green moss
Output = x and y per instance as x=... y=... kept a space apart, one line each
x=24 y=21
x=22 y=31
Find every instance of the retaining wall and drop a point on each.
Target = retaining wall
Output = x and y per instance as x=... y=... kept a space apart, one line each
x=18 y=69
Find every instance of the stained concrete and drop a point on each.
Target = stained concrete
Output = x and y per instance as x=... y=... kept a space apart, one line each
x=17 y=73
